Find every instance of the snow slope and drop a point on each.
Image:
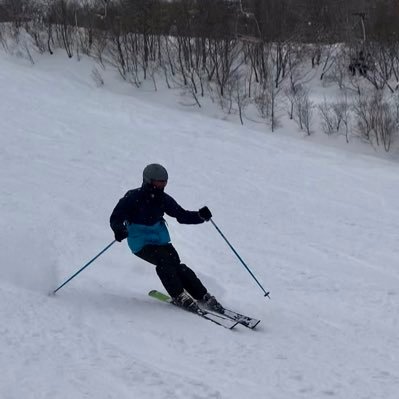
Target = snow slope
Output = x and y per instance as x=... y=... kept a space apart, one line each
x=318 y=226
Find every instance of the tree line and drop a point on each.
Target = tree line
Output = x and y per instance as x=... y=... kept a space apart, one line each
x=253 y=53
x=323 y=20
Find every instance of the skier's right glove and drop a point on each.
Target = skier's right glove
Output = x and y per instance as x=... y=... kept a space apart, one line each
x=205 y=213
x=120 y=233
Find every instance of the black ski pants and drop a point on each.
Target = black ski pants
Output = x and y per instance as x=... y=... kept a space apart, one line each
x=175 y=276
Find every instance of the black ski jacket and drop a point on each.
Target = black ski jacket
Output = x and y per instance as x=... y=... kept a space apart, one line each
x=146 y=205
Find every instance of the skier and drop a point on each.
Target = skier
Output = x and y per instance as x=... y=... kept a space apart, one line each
x=138 y=216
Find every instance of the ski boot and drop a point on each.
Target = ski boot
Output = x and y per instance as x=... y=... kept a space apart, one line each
x=210 y=303
x=185 y=301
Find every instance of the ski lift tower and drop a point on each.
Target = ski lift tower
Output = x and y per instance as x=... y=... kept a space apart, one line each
x=360 y=61
x=247 y=27
x=362 y=16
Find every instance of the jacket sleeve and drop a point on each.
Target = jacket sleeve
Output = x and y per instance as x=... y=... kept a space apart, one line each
x=120 y=212
x=173 y=209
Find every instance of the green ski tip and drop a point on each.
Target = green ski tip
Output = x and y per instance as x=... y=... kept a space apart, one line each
x=159 y=295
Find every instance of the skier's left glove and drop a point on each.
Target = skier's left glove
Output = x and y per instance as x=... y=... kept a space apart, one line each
x=121 y=233
x=205 y=213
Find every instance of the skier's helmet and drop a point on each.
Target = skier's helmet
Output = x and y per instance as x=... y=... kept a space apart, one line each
x=154 y=171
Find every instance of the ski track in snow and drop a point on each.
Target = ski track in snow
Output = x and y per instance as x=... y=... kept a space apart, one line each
x=318 y=226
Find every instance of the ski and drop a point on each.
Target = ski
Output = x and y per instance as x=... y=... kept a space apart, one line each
x=216 y=318
x=246 y=321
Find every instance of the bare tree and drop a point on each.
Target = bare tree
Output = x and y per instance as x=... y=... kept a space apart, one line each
x=386 y=125
x=297 y=78
x=380 y=65
x=97 y=77
x=17 y=11
x=328 y=118
x=62 y=15
x=304 y=110
x=266 y=101
x=225 y=57
x=376 y=119
x=307 y=109
x=343 y=112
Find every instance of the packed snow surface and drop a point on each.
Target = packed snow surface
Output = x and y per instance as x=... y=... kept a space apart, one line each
x=317 y=225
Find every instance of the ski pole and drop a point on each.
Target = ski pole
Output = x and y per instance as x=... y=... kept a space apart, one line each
x=84 y=267
x=239 y=257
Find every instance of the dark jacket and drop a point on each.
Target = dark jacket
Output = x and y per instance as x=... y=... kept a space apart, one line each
x=147 y=206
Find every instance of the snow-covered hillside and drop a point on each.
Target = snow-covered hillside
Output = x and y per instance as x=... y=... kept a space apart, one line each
x=318 y=226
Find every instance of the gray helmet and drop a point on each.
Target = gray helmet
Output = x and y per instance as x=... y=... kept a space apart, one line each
x=154 y=171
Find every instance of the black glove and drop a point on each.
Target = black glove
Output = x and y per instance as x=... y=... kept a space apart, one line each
x=120 y=233
x=205 y=213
